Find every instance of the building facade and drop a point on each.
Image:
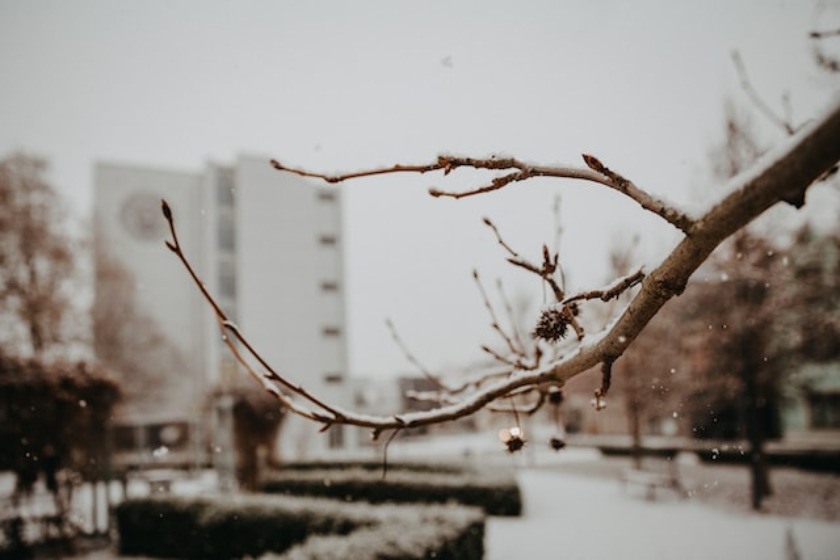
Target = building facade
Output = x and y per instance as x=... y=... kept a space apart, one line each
x=268 y=245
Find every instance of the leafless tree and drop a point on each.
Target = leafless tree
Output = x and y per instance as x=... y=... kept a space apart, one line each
x=527 y=372
x=128 y=341
x=36 y=258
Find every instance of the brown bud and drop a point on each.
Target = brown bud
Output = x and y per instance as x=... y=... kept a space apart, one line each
x=167 y=212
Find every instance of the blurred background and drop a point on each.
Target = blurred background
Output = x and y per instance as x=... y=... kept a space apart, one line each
x=107 y=108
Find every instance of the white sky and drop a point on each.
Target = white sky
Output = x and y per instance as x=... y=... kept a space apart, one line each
x=336 y=86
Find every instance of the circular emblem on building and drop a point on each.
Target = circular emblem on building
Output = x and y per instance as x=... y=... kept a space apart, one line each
x=142 y=218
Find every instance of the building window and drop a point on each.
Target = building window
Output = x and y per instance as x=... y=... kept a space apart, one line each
x=333 y=378
x=227 y=236
x=227 y=280
x=329 y=286
x=327 y=195
x=825 y=410
x=331 y=331
x=327 y=239
x=336 y=437
x=224 y=188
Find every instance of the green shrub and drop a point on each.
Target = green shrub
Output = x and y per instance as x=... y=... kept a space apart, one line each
x=496 y=494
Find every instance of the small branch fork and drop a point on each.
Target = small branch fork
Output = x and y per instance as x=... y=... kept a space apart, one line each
x=782 y=175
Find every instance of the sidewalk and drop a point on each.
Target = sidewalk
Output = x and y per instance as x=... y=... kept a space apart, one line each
x=576 y=517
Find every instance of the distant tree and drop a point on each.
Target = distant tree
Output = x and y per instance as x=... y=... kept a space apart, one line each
x=128 y=341
x=811 y=268
x=257 y=419
x=53 y=417
x=36 y=259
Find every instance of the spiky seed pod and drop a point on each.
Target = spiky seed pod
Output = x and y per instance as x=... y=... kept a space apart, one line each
x=515 y=443
x=557 y=443
x=551 y=326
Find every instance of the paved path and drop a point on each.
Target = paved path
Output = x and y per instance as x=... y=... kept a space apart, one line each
x=568 y=516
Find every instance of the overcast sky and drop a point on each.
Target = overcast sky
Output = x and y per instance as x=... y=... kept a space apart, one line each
x=334 y=86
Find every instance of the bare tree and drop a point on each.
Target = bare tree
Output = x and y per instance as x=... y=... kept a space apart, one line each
x=783 y=175
x=128 y=341
x=36 y=258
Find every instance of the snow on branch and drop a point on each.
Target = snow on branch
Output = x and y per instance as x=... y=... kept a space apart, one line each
x=782 y=175
x=518 y=171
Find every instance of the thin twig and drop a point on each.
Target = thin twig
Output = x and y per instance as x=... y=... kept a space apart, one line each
x=824 y=34
x=607 y=293
x=746 y=85
x=501 y=241
x=385 y=452
x=521 y=172
x=530 y=409
x=509 y=311
x=517 y=351
x=175 y=247
x=413 y=360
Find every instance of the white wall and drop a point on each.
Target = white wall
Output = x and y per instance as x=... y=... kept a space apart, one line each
x=129 y=220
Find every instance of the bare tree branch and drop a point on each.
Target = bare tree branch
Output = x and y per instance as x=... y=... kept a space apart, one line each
x=824 y=34
x=437 y=381
x=523 y=171
x=614 y=290
x=512 y=346
x=782 y=175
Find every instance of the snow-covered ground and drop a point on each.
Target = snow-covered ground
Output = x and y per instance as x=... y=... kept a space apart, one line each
x=569 y=516
x=572 y=516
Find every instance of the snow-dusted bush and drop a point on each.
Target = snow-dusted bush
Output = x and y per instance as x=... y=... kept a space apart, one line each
x=234 y=526
x=497 y=493
x=443 y=533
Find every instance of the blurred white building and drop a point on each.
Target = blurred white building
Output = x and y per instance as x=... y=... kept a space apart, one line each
x=267 y=244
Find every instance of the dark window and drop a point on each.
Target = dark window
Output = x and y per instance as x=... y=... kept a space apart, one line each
x=336 y=436
x=333 y=378
x=227 y=281
x=331 y=331
x=329 y=286
x=224 y=188
x=326 y=196
x=825 y=410
x=227 y=237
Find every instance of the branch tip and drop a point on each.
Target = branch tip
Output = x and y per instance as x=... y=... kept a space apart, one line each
x=167 y=211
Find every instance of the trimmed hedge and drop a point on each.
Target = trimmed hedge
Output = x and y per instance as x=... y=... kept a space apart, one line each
x=376 y=466
x=233 y=526
x=437 y=532
x=496 y=494
x=229 y=526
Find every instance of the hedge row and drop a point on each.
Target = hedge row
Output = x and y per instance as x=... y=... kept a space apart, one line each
x=429 y=532
x=227 y=526
x=496 y=494
x=376 y=466
x=233 y=526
